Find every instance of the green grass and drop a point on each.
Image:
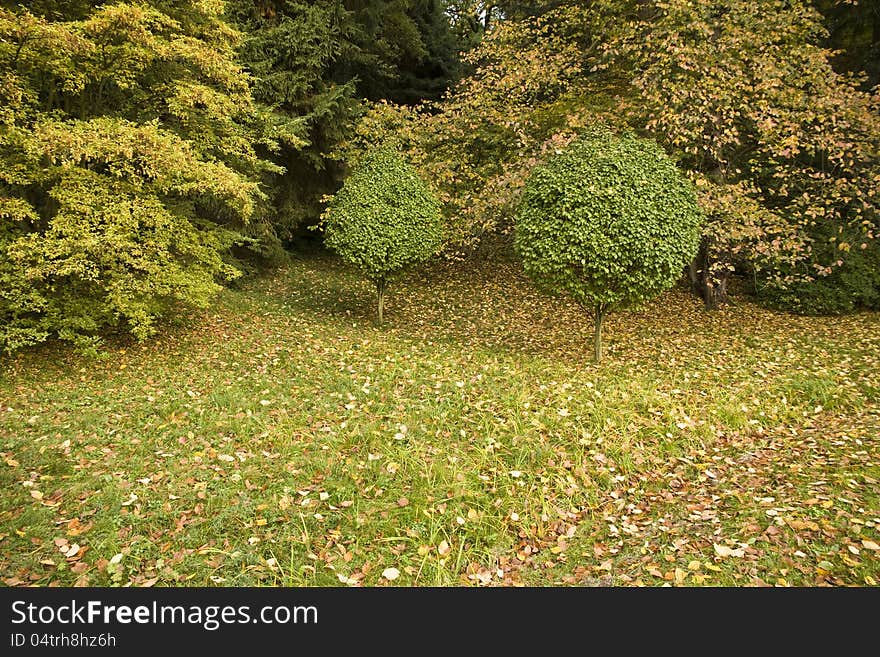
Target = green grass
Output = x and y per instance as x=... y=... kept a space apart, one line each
x=283 y=439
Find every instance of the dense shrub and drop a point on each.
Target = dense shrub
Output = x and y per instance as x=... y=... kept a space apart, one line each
x=853 y=285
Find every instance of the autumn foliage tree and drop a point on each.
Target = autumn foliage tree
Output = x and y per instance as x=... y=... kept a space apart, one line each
x=478 y=145
x=610 y=222
x=127 y=165
x=783 y=149
x=383 y=220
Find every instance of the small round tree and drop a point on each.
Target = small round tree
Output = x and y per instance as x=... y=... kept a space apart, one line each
x=610 y=221
x=383 y=219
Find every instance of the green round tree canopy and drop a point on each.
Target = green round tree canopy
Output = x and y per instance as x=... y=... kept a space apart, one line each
x=384 y=218
x=610 y=221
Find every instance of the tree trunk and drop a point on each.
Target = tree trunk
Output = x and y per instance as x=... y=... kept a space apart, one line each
x=597 y=334
x=380 y=293
x=487 y=17
x=713 y=292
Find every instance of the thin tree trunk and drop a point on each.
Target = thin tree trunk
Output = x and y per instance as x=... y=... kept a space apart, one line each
x=597 y=333
x=487 y=18
x=380 y=293
x=713 y=292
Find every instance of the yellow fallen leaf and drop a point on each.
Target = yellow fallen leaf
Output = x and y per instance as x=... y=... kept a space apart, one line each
x=870 y=545
x=798 y=525
x=443 y=548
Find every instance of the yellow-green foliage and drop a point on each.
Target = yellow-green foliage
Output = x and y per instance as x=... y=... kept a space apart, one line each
x=127 y=167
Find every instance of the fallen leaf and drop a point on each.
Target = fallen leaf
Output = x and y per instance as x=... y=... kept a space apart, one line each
x=724 y=551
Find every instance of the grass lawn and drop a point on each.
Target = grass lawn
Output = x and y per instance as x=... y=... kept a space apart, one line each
x=281 y=438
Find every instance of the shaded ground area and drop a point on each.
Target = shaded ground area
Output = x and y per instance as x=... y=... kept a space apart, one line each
x=283 y=439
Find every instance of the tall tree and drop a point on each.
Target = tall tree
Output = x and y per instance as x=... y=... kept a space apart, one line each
x=785 y=149
x=315 y=61
x=290 y=49
x=127 y=166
